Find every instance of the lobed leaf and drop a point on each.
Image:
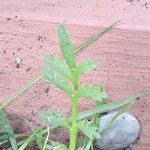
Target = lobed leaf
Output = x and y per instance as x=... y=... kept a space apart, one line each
x=55 y=146
x=57 y=65
x=92 y=91
x=86 y=65
x=85 y=141
x=56 y=79
x=66 y=47
x=55 y=119
x=89 y=130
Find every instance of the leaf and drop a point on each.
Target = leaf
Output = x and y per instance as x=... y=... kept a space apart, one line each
x=21 y=90
x=86 y=142
x=55 y=118
x=95 y=118
x=111 y=106
x=56 y=146
x=56 y=79
x=95 y=36
x=92 y=91
x=6 y=128
x=28 y=140
x=105 y=107
x=39 y=138
x=86 y=65
x=66 y=47
x=89 y=145
x=3 y=138
x=56 y=64
x=89 y=130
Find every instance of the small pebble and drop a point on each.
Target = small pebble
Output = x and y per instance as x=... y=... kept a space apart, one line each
x=123 y=132
x=18 y=62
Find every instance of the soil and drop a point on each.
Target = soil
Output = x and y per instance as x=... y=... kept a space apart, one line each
x=29 y=29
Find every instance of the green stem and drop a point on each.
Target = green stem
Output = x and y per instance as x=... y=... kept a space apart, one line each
x=74 y=111
x=73 y=129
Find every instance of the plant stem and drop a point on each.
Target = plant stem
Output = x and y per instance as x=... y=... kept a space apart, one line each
x=74 y=111
x=73 y=130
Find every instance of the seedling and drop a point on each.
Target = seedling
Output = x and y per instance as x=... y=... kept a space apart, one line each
x=64 y=73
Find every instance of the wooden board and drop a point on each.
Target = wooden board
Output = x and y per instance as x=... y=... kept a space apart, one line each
x=123 y=53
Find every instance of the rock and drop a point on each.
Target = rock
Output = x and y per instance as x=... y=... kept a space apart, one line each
x=123 y=132
x=128 y=148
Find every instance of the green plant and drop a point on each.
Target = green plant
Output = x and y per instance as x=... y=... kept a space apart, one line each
x=26 y=139
x=40 y=76
x=6 y=132
x=64 y=74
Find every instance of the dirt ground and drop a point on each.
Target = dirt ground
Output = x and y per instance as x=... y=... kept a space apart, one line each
x=28 y=29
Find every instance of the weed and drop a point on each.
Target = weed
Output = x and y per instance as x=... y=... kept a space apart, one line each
x=64 y=73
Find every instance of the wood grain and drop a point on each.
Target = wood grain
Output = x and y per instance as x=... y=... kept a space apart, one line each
x=123 y=53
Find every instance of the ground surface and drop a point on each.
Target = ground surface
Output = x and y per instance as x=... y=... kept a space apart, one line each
x=28 y=29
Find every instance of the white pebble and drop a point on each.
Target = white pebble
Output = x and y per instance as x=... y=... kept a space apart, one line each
x=18 y=62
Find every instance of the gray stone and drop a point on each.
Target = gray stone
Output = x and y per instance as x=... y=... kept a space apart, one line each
x=122 y=133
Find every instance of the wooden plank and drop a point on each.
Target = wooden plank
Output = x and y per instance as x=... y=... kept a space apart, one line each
x=133 y=14
x=124 y=53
